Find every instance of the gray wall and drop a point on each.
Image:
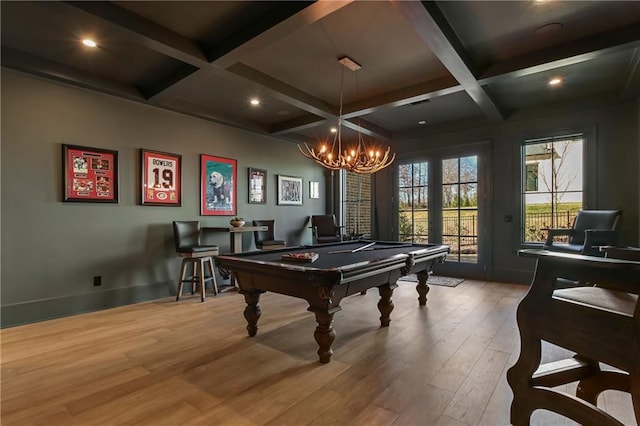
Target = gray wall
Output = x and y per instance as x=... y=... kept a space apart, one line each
x=613 y=141
x=52 y=250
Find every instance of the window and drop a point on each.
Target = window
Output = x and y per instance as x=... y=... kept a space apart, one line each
x=552 y=184
x=413 y=205
x=357 y=204
x=532 y=177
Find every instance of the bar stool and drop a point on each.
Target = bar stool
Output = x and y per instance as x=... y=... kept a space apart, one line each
x=600 y=324
x=195 y=256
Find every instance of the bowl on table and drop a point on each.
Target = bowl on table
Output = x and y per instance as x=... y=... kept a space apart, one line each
x=237 y=222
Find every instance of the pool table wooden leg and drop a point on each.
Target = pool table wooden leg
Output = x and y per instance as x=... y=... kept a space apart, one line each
x=252 y=312
x=422 y=287
x=324 y=334
x=385 y=304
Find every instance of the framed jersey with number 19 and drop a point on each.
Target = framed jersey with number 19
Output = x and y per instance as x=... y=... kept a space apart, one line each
x=161 y=178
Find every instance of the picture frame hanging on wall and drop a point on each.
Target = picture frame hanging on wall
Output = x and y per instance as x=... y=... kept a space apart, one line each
x=289 y=190
x=314 y=189
x=89 y=175
x=218 y=184
x=257 y=186
x=161 y=178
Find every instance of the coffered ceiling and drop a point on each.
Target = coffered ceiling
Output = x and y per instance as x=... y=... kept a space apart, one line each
x=425 y=65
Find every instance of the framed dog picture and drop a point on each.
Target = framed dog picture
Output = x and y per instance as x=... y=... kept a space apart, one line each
x=161 y=178
x=217 y=186
x=289 y=190
x=90 y=175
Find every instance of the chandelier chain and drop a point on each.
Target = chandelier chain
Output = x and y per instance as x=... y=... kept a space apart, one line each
x=360 y=158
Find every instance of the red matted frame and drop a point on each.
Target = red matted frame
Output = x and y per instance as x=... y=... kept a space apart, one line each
x=161 y=178
x=218 y=184
x=89 y=175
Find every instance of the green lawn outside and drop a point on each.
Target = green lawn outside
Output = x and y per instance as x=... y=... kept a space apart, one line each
x=537 y=218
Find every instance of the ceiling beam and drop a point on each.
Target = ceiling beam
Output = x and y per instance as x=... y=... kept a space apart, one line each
x=164 y=41
x=145 y=32
x=430 y=24
x=284 y=92
x=25 y=62
x=239 y=45
x=160 y=85
x=199 y=111
x=565 y=54
x=298 y=124
x=367 y=128
x=254 y=28
x=405 y=96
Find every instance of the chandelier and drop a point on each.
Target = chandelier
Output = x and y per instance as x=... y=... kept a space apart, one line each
x=359 y=158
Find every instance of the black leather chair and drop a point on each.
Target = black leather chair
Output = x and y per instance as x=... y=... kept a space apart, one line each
x=591 y=229
x=186 y=235
x=325 y=229
x=266 y=240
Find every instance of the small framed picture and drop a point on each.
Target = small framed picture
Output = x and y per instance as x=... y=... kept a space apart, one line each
x=314 y=189
x=217 y=186
x=161 y=178
x=90 y=175
x=289 y=190
x=257 y=186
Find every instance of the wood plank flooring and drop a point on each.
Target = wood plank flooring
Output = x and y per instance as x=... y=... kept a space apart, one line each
x=191 y=363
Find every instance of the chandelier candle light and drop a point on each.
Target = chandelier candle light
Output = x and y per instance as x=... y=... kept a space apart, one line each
x=360 y=158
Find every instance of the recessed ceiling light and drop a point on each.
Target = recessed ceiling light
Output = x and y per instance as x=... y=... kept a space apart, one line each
x=333 y=130
x=255 y=101
x=422 y=122
x=555 y=81
x=89 y=43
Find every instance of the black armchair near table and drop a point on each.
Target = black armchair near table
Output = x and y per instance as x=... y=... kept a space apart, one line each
x=590 y=230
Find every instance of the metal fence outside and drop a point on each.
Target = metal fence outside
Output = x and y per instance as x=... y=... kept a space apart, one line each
x=535 y=225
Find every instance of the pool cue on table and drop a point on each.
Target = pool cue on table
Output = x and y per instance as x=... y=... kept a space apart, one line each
x=364 y=247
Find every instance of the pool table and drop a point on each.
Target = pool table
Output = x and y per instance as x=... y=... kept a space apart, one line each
x=340 y=270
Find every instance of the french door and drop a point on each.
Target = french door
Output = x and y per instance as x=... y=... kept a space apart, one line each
x=441 y=200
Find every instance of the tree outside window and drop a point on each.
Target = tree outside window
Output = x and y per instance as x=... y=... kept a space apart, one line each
x=552 y=190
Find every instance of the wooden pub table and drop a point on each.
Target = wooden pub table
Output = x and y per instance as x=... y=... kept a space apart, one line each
x=235 y=246
x=339 y=270
x=235 y=234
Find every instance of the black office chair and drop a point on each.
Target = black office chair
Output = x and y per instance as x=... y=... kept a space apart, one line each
x=266 y=240
x=325 y=229
x=186 y=235
x=591 y=229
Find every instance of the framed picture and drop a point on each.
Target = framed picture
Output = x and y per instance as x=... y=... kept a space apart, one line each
x=89 y=174
x=314 y=189
x=217 y=186
x=257 y=186
x=289 y=190
x=161 y=178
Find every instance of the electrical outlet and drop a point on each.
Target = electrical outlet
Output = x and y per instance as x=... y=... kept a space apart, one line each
x=97 y=280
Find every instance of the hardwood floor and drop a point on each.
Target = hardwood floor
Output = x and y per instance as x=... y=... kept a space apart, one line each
x=186 y=362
